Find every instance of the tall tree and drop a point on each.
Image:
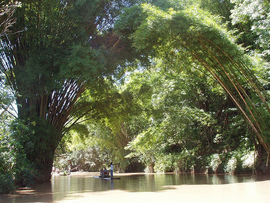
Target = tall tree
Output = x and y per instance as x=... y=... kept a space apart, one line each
x=57 y=49
x=192 y=33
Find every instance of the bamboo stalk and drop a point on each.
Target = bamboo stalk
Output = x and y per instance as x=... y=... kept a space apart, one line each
x=205 y=64
x=259 y=134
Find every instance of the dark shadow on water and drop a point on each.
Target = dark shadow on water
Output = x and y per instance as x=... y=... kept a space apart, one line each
x=63 y=186
x=39 y=193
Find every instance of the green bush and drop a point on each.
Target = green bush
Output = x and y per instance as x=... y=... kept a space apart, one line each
x=6 y=183
x=25 y=177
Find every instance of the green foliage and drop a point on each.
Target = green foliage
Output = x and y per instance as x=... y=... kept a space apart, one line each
x=7 y=159
x=15 y=168
x=221 y=8
x=7 y=151
x=190 y=119
x=103 y=129
x=6 y=183
x=59 y=48
x=241 y=160
x=255 y=14
x=215 y=162
x=173 y=115
x=176 y=109
x=202 y=38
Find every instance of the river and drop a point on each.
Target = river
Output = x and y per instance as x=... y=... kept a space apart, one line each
x=83 y=187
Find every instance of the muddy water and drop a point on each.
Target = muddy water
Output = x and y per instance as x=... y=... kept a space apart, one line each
x=83 y=187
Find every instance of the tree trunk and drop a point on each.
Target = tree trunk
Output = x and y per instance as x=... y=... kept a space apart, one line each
x=39 y=141
x=262 y=164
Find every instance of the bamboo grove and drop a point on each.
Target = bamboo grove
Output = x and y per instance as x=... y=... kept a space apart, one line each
x=65 y=60
x=192 y=33
x=54 y=51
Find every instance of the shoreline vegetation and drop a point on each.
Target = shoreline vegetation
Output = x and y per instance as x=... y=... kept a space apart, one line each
x=150 y=85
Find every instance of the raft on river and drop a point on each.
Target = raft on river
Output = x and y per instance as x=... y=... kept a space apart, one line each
x=106 y=177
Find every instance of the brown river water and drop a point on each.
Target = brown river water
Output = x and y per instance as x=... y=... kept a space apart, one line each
x=166 y=188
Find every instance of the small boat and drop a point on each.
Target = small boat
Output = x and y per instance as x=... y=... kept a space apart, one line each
x=107 y=177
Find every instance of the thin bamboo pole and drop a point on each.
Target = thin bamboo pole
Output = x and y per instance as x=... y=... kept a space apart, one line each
x=209 y=68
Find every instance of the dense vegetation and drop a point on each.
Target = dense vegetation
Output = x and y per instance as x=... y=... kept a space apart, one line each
x=150 y=85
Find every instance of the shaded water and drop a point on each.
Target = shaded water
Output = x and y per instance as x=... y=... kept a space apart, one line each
x=63 y=186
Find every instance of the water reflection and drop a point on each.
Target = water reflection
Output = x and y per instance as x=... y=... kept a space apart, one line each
x=40 y=193
x=61 y=186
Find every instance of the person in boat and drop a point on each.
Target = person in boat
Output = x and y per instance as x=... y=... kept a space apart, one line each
x=102 y=172
x=106 y=174
x=111 y=169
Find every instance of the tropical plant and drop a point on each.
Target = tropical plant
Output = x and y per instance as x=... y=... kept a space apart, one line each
x=57 y=49
x=193 y=34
